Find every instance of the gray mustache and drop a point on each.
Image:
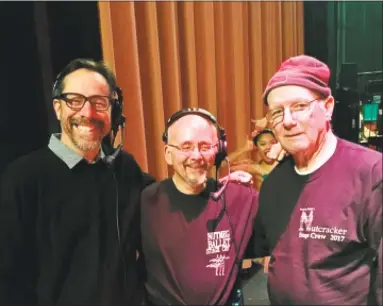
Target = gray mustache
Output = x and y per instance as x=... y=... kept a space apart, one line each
x=86 y=121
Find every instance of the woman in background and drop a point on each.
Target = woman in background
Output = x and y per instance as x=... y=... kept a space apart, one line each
x=262 y=143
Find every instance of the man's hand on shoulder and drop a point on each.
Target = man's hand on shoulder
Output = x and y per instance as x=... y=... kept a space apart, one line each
x=240 y=177
x=276 y=152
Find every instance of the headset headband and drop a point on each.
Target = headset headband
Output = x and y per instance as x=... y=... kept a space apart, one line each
x=222 y=145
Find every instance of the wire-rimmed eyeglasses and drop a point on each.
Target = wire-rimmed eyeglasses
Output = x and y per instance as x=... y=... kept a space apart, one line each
x=187 y=148
x=276 y=115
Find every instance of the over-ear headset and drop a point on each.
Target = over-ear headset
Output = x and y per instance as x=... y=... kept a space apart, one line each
x=117 y=120
x=222 y=145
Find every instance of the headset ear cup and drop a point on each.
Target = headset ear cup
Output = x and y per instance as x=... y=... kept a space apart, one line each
x=165 y=137
x=222 y=150
x=116 y=115
x=221 y=154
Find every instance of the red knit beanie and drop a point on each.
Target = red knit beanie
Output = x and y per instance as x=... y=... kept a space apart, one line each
x=302 y=70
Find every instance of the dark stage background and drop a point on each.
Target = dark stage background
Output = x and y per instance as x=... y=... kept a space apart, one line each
x=37 y=40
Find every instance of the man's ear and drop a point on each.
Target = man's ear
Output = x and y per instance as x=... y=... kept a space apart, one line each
x=329 y=107
x=57 y=108
x=168 y=156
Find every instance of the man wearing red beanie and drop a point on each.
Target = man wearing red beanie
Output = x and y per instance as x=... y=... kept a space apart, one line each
x=324 y=225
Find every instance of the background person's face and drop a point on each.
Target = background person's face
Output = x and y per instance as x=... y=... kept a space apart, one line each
x=264 y=144
x=192 y=169
x=300 y=133
x=84 y=129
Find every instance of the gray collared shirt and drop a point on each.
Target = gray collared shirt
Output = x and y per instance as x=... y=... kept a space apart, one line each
x=68 y=156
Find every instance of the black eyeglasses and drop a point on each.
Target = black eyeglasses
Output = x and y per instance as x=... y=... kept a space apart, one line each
x=76 y=101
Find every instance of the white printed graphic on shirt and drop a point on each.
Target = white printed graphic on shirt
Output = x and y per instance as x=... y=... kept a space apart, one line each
x=219 y=264
x=218 y=243
x=307 y=231
x=307 y=217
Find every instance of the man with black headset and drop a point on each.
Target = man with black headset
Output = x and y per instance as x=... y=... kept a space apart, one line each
x=69 y=213
x=195 y=233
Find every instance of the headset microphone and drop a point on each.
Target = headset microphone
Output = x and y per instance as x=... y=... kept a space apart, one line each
x=109 y=159
x=216 y=195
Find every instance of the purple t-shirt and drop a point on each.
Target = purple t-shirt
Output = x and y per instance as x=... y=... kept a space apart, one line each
x=188 y=245
x=327 y=248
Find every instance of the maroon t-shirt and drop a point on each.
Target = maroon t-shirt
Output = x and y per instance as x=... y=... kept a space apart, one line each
x=325 y=230
x=190 y=255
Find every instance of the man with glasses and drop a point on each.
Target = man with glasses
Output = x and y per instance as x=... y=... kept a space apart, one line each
x=324 y=225
x=194 y=235
x=69 y=216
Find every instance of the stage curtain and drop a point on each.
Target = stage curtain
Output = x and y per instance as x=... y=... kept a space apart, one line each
x=216 y=55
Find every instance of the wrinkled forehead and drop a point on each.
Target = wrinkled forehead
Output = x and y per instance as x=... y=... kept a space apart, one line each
x=289 y=94
x=192 y=128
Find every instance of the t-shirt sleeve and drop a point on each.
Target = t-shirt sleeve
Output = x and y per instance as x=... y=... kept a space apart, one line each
x=17 y=261
x=373 y=233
